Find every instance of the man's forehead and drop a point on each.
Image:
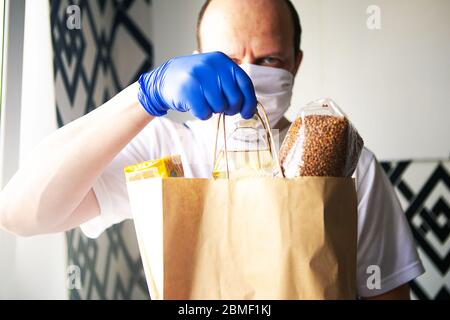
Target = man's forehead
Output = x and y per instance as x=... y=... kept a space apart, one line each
x=270 y=5
x=268 y=12
x=259 y=20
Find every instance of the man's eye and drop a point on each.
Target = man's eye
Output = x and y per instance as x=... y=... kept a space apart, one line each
x=270 y=61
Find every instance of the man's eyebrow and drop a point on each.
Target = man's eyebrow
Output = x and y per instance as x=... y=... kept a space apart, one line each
x=277 y=54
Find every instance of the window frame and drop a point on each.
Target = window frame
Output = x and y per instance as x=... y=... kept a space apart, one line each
x=11 y=87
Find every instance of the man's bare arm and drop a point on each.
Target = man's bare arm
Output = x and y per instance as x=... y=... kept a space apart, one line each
x=52 y=190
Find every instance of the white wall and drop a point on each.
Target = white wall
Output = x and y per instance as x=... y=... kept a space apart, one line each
x=394 y=83
x=174 y=24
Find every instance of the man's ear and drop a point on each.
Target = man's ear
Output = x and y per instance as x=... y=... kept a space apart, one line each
x=298 y=60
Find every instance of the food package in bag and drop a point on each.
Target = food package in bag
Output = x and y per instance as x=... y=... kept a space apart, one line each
x=169 y=166
x=320 y=142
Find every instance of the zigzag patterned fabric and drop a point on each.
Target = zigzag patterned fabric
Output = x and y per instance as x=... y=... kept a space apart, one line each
x=90 y=68
x=423 y=188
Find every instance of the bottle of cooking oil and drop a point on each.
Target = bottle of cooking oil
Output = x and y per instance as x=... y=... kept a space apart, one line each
x=248 y=152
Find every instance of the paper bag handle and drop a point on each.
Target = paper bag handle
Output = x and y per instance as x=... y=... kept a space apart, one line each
x=269 y=137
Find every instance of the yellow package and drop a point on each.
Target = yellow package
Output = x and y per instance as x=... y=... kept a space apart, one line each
x=166 y=167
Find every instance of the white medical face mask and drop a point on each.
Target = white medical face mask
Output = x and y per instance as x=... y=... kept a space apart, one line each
x=273 y=88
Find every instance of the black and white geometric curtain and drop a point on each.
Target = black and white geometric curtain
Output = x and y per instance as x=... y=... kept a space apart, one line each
x=109 y=51
x=423 y=188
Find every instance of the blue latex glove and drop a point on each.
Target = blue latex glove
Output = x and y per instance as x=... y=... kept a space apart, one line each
x=201 y=83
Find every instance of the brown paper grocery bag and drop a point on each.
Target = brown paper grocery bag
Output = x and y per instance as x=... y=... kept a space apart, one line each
x=253 y=238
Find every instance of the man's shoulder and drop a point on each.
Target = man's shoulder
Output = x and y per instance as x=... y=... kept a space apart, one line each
x=164 y=128
x=367 y=166
x=164 y=123
x=366 y=158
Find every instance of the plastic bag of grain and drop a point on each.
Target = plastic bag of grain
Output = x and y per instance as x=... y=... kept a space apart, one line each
x=320 y=142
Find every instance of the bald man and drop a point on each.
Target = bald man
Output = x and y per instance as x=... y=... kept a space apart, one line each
x=247 y=51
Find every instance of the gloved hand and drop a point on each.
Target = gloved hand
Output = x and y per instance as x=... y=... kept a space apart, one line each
x=201 y=83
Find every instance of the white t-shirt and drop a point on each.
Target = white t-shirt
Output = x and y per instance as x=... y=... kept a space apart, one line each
x=384 y=237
